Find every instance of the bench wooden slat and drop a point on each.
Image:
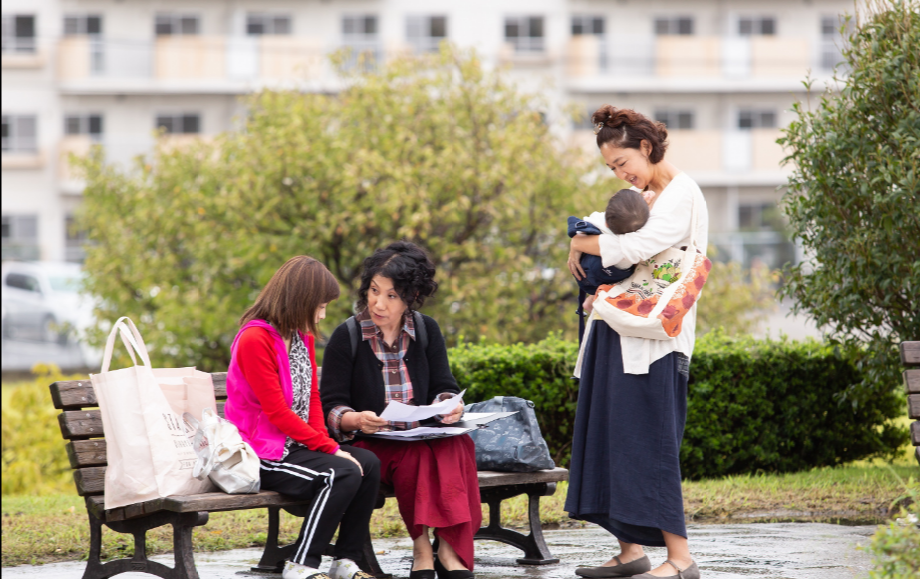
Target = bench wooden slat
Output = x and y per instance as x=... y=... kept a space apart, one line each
x=912 y=381
x=489 y=478
x=89 y=480
x=913 y=405
x=220 y=385
x=81 y=424
x=86 y=453
x=910 y=353
x=77 y=394
x=915 y=433
x=223 y=502
x=73 y=395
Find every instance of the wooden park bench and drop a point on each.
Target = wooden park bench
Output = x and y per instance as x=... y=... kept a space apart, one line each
x=81 y=425
x=910 y=356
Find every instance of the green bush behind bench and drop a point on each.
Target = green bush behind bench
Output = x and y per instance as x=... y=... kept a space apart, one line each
x=773 y=406
x=754 y=406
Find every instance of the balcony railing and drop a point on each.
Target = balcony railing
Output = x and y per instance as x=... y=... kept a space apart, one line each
x=18 y=45
x=728 y=151
x=632 y=55
x=205 y=58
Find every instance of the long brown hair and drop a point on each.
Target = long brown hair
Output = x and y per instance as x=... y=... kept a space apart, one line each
x=291 y=297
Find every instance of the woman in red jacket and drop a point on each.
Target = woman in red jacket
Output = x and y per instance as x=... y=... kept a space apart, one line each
x=273 y=398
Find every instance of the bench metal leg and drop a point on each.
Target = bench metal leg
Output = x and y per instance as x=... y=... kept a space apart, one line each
x=534 y=546
x=370 y=564
x=182 y=523
x=274 y=555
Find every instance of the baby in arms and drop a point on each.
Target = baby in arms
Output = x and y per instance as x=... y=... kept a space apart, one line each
x=627 y=211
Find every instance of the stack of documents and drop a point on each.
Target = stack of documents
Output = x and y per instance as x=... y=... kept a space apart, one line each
x=399 y=412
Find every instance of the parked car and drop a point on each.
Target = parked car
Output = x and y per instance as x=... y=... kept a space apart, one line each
x=42 y=302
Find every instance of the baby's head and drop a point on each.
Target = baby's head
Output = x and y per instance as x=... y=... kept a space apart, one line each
x=626 y=212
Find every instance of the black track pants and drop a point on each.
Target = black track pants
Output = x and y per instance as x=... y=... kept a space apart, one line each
x=338 y=493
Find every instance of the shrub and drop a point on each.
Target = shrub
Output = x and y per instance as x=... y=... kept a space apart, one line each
x=777 y=406
x=895 y=547
x=753 y=405
x=34 y=459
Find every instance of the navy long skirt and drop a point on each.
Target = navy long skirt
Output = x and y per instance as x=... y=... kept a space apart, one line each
x=625 y=468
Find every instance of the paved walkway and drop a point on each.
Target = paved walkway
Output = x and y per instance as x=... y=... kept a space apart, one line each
x=744 y=551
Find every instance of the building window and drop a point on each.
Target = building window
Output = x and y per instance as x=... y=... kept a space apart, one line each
x=359 y=36
x=675 y=119
x=587 y=25
x=74 y=240
x=258 y=24
x=425 y=33
x=362 y=27
x=525 y=33
x=672 y=25
x=757 y=216
x=756 y=119
x=19 y=237
x=170 y=24
x=179 y=124
x=18 y=33
x=89 y=25
x=90 y=125
x=82 y=25
x=833 y=41
x=582 y=24
x=20 y=134
x=756 y=26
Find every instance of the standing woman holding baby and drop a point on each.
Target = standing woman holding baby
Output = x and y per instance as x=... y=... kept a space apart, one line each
x=632 y=402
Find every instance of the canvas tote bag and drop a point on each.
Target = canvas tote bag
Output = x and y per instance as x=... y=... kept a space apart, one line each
x=653 y=301
x=148 y=450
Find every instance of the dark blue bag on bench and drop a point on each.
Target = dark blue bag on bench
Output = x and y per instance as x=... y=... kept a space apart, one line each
x=512 y=444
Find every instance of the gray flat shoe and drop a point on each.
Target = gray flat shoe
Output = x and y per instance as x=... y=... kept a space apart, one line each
x=640 y=565
x=691 y=572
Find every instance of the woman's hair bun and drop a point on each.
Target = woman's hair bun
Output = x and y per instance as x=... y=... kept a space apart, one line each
x=604 y=115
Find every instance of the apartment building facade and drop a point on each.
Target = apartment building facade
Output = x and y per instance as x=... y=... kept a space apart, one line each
x=722 y=74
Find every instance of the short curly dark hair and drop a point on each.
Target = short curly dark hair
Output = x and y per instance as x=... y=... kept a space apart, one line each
x=410 y=268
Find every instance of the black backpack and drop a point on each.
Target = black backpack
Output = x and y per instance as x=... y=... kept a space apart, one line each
x=421 y=332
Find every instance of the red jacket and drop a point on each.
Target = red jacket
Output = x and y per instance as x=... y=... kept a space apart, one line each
x=262 y=394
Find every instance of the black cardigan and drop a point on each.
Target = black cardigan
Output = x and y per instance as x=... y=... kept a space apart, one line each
x=358 y=383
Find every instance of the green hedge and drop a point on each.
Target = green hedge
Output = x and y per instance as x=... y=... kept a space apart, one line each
x=774 y=406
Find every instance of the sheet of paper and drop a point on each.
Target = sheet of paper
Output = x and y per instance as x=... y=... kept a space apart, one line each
x=423 y=430
x=471 y=416
x=399 y=412
x=484 y=418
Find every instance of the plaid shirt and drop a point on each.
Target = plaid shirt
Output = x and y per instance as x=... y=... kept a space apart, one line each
x=397 y=385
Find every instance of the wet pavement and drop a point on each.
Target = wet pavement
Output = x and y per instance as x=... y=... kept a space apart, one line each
x=737 y=551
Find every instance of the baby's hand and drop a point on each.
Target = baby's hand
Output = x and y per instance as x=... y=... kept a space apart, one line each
x=588 y=305
x=649 y=196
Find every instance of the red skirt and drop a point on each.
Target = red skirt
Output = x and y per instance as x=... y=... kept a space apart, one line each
x=436 y=485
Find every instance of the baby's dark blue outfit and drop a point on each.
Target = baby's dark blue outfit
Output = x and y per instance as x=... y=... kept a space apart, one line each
x=595 y=273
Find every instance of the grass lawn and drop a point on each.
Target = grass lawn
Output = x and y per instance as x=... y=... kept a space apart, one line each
x=52 y=528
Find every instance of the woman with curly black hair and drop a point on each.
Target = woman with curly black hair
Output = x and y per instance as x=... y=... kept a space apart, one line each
x=393 y=353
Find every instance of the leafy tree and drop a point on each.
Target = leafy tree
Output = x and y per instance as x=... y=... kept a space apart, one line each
x=735 y=300
x=439 y=151
x=853 y=199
